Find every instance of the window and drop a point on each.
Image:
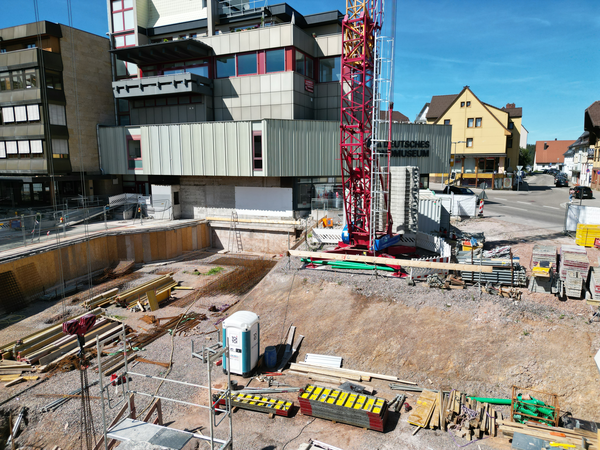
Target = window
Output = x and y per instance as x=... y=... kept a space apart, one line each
x=511 y=125
x=226 y=67
x=462 y=104
x=60 y=148
x=509 y=142
x=36 y=147
x=176 y=198
x=257 y=156
x=246 y=64
x=20 y=113
x=122 y=15
x=23 y=147
x=469 y=142
x=17 y=79
x=11 y=147
x=2 y=150
x=329 y=69
x=275 y=60
x=4 y=81
x=53 y=80
x=446 y=121
x=33 y=113
x=8 y=114
x=468 y=104
x=300 y=63
x=134 y=153
x=30 y=78
x=478 y=122
x=57 y=114
x=470 y=123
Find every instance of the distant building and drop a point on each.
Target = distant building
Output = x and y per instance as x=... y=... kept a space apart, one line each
x=592 y=125
x=524 y=136
x=485 y=139
x=583 y=157
x=48 y=118
x=550 y=154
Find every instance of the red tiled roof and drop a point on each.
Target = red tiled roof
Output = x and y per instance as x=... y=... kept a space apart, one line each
x=553 y=154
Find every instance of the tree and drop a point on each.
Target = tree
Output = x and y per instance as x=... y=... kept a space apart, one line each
x=526 y=155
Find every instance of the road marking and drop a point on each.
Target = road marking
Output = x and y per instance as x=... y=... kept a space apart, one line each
x=498 y=198
x=514 y=207
x=553 y=207
x=526 y=203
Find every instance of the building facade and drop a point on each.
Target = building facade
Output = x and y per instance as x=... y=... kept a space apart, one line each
x=592 y=126
x=54 y=90
x=485 y=139
x=551 y=154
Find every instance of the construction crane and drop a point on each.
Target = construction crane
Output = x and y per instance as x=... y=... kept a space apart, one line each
x=365 y=128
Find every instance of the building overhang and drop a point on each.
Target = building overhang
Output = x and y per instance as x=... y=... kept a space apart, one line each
x=181 y=83
x=163 y=52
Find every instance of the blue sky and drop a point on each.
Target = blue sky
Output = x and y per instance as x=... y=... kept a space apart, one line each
x=541 y=55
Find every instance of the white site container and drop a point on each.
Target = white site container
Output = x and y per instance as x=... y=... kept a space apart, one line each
x=241 y=332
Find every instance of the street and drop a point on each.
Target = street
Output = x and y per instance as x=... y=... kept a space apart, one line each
x=537 y=204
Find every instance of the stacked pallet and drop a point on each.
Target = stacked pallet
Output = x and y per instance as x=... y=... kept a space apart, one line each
x=595 y=285
x=572 y=438
x=160 y=286
x=342 y=406
x=259 y=403
x=575 y=258
x=544 y=253
x=573 y=284
x=586 y=235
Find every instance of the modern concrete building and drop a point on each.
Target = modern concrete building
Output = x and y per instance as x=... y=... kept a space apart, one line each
x=54 y=90
x=485 y=139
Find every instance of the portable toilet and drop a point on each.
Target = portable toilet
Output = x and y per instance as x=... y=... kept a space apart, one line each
x=241 y=332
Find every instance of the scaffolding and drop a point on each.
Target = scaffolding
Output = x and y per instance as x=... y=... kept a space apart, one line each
x=129 y=428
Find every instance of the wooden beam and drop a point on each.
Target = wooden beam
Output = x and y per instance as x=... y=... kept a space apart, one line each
x=392 y=262
x=361 y=373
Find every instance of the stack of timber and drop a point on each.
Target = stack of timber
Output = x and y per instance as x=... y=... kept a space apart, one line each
x=160 y=286
x=586 y=235
x=454 y=411
x=175 y=325
x=572 y=438
x=573 y=284
x=573 y=257
x=544 y=253
x=342 y=406
x=123 y=268
x=504 y=271
x=595 y=286
x=31 y=349
x=339 y=374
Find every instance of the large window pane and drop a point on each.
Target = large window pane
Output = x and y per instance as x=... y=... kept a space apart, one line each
x=275 y=60
x=127 y=4
x=117 y=22
x=226 y=67
x=4 y=81
x=33 y=113
x=129 y=40
x=329 y=69
x=309 y=67
x=121 y=68
x=132 y=69
x=119 y=41
x=128 y=20
x=17 y=79
x=300 y=63
x=30 y=78
x=202 y=70
x=53 y=80
x=247 y=64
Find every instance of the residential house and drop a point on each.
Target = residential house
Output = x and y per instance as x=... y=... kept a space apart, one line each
x=592 y=125
x=583 y=157
x=485 y=138
x=550 y=154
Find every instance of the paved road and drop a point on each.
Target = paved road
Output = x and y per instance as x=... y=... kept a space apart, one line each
x=539 y=204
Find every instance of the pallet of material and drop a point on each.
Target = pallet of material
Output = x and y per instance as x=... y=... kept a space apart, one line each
x=573 y=284
x=544 y=253
x=559 y=435
x=342 y=406
x=259 y=403
x=573 y=257
x=586 y=235
x=595 y=283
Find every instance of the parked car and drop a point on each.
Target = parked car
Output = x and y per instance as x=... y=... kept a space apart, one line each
x=551 y=171
x=457 y=190
x=581 y=192
x=561 y=181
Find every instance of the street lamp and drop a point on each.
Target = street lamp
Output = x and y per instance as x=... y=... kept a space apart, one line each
x=451 y=161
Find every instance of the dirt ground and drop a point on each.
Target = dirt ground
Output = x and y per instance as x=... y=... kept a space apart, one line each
x=476 y=343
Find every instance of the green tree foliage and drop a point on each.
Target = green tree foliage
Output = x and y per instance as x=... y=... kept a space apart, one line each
x=526 y=155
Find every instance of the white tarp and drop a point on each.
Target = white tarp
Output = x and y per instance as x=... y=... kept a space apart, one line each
x=461 y=205
x=260 y=201
x=589 y=215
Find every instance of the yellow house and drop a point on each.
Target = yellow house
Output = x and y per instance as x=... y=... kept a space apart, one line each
x=485 y=139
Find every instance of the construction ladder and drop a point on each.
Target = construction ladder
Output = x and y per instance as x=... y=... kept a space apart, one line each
x=233 y=230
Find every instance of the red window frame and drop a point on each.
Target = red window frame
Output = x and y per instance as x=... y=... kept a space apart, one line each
x=122 y=11
x=254 y=157
x=129 y=158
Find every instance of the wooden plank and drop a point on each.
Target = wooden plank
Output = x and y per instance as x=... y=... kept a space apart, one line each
x=423 y=409
x=441 y=410
x=15 y=381
x=323 y=371
x=317 y=377
x=367 y=374
x=158 y=363
x=392 y=262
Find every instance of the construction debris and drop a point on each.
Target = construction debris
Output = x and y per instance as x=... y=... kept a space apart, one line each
x=323 y=360
x=341 y=406
x=290 y=349
x=121 y=269
x=504 y=271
